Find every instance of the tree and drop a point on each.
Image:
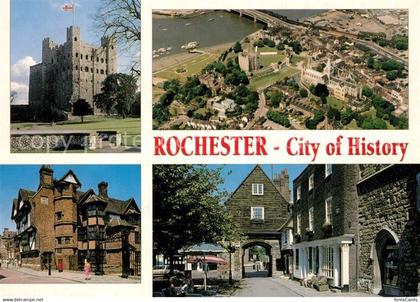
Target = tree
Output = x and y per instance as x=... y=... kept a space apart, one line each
x=187 y=208
x=391 y=75
x=367 y=91
x=303 y=92
x=118 y=94
x=135 y=110
x=237 y=47
x=13 y=96
x=278 y=118
x=334 y=114
x=270 y=43
x=121 y=20
x=280 y=46
x=370 y=62
x=373 y=123
x=321 y=90
x=346 y=116
x=276 y=99
x=82 y=108
x=259 y=43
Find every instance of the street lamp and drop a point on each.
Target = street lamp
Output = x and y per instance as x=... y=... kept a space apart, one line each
x=231 y=249
x=125 y=253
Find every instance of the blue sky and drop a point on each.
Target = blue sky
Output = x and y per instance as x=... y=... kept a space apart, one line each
x=123 y=182
x=33 y=20
x=233 y=175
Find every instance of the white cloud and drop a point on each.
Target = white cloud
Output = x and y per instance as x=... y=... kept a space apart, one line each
x=22 y=91
x=20 y=70
x=20 y=79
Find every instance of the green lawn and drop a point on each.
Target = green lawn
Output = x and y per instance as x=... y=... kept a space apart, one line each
x=296 y=59
x=192 y=66
x=268 y=59
x=267 y=49
x=372 y=113
x=128 y=127
x=263 y=81
x=335 y=103
x=352 y=125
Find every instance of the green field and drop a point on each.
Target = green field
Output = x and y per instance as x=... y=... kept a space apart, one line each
x=192 y=66
x=372 y=113
x=128 y=127
x=335 y=103
x=258 y=82
x=265 y=61
x=296 y=59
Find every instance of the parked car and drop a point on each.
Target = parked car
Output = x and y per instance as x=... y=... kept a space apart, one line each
x=162 y=271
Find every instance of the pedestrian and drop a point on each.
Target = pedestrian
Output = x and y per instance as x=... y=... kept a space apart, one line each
x=87 y=269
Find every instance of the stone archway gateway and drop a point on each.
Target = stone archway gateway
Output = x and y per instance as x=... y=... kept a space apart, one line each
x=385 y=257
x=260 y=267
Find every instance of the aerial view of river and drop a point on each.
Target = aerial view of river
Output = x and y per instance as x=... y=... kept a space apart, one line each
x=210 y=29
x=295 y=14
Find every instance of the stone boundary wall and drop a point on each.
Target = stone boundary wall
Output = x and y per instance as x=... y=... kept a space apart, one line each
x=50 y=142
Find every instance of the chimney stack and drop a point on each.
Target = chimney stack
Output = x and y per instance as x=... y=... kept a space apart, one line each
x=103 y=189
x=281 y=181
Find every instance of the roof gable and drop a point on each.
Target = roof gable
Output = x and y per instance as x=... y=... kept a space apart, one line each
x=131 y=207
x=70 y=177
x=242 y=201
x=257 y=170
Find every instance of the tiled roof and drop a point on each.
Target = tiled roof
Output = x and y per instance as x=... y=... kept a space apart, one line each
x=116 y=206
x=25 y=194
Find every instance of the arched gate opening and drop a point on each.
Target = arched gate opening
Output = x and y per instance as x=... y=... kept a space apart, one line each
x=257 y=260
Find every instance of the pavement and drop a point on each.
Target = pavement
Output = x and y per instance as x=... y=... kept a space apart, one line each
x=29 y=276
x=284 y=287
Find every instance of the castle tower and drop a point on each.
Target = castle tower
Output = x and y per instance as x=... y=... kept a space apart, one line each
x=281 y=181
x=68 y=72
x=65 y=221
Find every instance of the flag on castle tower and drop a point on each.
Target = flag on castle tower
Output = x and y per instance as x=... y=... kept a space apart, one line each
x=68 y=7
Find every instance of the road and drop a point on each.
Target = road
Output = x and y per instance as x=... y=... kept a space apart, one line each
x=264 y=287
x=259 y=112
x=284 y=287
x=11 y=276
x=28 y=276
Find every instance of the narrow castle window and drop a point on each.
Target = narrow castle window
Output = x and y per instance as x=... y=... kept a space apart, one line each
x=91 y=70
x=102 y=71
x=112 y=46
x=102 y=60
x=75 y=38
x=87 y=57
x=97 y=59
x=87 y=69
x=77 y=54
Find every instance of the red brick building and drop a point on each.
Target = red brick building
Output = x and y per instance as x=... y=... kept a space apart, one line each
x=61 y=226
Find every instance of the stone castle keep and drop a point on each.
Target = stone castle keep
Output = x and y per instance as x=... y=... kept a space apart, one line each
x=68 y=72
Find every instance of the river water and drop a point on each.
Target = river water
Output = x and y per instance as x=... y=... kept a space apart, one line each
x=209 y=29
